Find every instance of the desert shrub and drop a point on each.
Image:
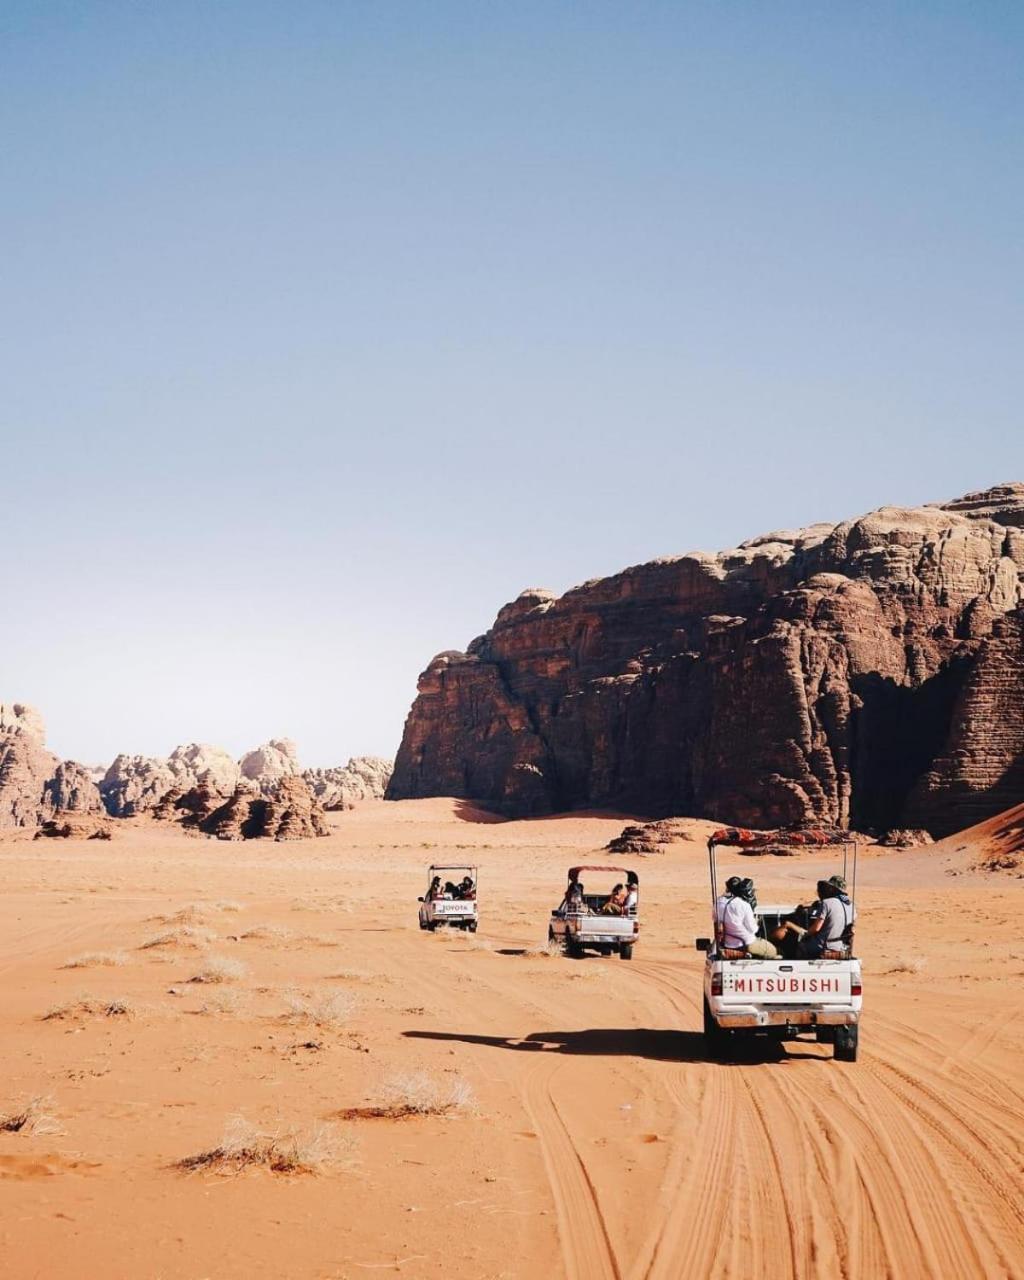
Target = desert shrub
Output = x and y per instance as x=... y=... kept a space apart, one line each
x=93 y=959
x=328 y=1009
x=218 y=969
x=417 y=1093
x=89 y=1007
x=186 y=936
x=243 y=1147
x=29 y=1117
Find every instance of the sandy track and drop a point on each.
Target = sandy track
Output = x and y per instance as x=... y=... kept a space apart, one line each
x=603 y=1145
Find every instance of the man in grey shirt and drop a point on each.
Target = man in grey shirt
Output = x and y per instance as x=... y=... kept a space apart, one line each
x=831 y=920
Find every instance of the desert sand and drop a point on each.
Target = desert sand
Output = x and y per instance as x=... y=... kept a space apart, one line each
x=582 y=1133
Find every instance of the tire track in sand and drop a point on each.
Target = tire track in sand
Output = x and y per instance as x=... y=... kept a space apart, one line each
x=586 y=1247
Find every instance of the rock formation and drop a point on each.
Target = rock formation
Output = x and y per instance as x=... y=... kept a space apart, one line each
x=363 y=778
x=867 y=673
x=292 y=812
x=268 y=764
x=34 y=784
x=137 y=784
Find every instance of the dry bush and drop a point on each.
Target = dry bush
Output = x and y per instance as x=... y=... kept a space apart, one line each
x=907 y=964
x=219 y=969
x=92 y=959
x=187 y=936
x=274 y=932
x=416 y=1093
x=221 y=1003
x=30 y=1117
x=245 y=1147
x=89 y=1007
x=228 y=905
x=329 y=1009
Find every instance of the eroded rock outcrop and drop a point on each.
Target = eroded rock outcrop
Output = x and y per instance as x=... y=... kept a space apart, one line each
x=363 y=778
x=34 y=784
x=267 y=764
x=860 y=673
x=138 y=784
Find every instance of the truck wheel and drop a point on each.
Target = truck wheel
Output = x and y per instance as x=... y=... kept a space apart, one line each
x=714 y=1036
x=846 y=1043
x=472 y=926
x=626 y=951
x=431 y=925
x=573 y=948
x=423 y=924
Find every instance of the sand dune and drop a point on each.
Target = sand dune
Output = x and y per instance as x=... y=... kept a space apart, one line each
x=577 y=1129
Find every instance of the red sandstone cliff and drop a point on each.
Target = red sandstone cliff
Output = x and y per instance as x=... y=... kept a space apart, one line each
x=867 y=673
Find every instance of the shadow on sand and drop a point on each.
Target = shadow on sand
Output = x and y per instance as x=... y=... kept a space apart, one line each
x=633 y=1042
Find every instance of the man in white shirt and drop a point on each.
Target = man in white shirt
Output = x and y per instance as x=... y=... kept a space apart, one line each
x=736 y=924
x=632 y=897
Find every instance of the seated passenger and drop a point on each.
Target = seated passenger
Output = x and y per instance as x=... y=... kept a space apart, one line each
x=632 y=898
x=830 y=927
x=616 y=901
x=450 y=890
x=573 y=902
x=735 y=922
x=434 y=892
x=790 y=929
x=467 y=890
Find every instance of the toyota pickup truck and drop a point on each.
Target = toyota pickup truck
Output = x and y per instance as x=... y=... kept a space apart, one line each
x=782 y=998
x=449 y=902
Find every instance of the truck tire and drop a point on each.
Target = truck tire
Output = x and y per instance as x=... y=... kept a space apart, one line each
x=714 y=1036
x=472 y=926
x=626 y=951
x=431 y=925
x=846 y=1043
x=573 y=948
x=423 y=924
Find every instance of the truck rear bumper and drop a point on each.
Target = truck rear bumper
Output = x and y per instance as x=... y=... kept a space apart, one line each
x=786 y=1018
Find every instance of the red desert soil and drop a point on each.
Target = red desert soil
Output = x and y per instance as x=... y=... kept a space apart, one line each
x=597 y=1142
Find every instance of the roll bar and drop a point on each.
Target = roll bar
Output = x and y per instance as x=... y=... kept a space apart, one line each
x=742 y=838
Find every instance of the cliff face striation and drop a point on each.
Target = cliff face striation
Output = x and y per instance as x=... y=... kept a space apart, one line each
x=869 y=673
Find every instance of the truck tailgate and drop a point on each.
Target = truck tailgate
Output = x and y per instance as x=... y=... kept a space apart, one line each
x=786 y=982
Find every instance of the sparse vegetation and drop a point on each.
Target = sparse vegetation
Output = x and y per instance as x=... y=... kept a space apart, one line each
x=30 y=1117
x=187 y=936
x=271 y=932
x=221 y=1003
x=94 y=959
x=89 y=1007
x=219 y=969
x=328 y=1009
x=907 y=964
x=245 y=1147
x=416 y=1093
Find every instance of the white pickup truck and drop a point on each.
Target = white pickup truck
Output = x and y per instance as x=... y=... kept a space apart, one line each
x=594 y=921
x=451 y=903
x=780 y=998
x=786 y=997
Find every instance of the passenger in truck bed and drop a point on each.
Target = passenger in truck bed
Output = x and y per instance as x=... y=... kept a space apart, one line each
x=616 y=902
x=735 y=922
x=831 y=921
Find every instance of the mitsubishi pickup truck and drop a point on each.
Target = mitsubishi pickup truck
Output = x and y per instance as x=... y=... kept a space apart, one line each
x=745 y=996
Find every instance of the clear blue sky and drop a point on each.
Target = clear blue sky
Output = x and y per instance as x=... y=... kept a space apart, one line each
x=330 y=326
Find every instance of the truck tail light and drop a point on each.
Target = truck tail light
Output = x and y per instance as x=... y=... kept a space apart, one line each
x=716 y=984
x=855 y=986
